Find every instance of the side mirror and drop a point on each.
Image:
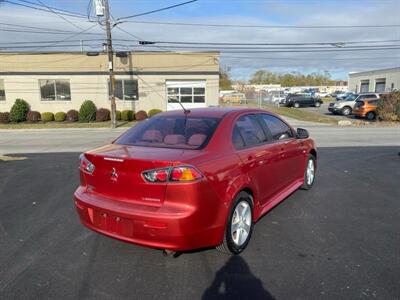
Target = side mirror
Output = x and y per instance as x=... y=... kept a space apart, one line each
x=302 y=133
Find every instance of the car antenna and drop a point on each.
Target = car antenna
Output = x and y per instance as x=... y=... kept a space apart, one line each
x=185 y=111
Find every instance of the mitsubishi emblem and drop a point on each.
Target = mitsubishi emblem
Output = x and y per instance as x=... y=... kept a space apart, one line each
x=114 y=174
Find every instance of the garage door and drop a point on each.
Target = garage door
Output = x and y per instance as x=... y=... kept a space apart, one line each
x=364 y=87
x=191 y=94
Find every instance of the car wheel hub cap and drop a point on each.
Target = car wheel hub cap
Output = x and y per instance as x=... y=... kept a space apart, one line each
x=310 y=172
x=241 y=223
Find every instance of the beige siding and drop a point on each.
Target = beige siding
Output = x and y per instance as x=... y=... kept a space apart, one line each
x=391 y=76
x=21 y=75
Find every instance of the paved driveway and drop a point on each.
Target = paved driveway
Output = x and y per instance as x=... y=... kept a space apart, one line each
x=78 y=140
x=339 y=240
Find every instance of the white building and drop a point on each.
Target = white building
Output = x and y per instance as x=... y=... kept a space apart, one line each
x=384 y=80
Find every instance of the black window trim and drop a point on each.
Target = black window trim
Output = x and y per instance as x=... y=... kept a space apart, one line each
x=55 y=90
x=269 y=132
x=123 y=89
x=249 y=146
x=4 y=89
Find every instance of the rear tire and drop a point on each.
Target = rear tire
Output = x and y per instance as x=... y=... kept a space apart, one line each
x=317 y=104
x=309 y=173
x=296 y=105
x=239 y=225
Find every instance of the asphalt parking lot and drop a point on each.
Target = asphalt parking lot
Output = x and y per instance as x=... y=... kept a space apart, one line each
x=339 y=240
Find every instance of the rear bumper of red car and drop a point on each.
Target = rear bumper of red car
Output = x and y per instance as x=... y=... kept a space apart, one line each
x=171 y=226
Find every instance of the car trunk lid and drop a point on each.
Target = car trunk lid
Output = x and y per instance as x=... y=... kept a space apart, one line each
x=118 y=172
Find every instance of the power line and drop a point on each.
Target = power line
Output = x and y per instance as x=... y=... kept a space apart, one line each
x=44 y=32
x=266 y=50
x=267 y=47
x=59 y=15
x=157 y=10
x=67 y=38
x=266 y=26
x=49 y=42
x=39 y=32
x=336 y=44
x=75 y=15
x=312 y=58
x=34 y=27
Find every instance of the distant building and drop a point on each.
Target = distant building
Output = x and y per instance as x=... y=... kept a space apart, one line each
x=143 y=80
x=256 y=87
x=384 y=80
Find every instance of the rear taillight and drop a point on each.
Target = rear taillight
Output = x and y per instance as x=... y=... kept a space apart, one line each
x=157 y=175
x=85 y=164
x=174 y=174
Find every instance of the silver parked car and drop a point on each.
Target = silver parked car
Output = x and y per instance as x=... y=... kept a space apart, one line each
x=345 y=107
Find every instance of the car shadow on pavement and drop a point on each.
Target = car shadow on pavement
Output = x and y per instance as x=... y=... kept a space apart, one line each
x=235 y=281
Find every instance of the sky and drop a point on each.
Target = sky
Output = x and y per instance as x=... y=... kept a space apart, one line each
x=238 y=12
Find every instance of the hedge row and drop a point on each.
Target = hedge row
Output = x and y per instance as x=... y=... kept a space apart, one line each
x=389 y=107
x=88 y=112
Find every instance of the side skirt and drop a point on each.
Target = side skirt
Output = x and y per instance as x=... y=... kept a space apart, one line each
x=280 y=197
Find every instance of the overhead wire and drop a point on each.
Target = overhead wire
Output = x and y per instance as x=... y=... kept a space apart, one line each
x=266 y=26
x=40 y=8
x=157 y=10
x=59 y=15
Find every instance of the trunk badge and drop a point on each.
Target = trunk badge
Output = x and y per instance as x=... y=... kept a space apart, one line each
x=114 y=174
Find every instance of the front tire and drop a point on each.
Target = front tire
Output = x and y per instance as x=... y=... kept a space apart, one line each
x=346 y=111
x=296 y=105
x=309 y=173
x=239 y=225
x=317 y=104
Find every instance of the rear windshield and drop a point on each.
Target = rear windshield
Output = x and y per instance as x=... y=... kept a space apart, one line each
x=175 y=132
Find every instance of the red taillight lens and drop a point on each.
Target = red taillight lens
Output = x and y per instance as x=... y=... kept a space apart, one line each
x=85 y=164
x=158 y=175
x=184 y=174
x=176 y=174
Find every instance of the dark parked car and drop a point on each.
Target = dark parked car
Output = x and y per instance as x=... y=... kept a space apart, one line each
x=297 y=100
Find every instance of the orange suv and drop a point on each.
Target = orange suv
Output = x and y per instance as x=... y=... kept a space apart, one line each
x=366 y=109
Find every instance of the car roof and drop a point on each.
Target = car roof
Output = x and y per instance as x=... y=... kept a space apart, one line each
x=212 y=112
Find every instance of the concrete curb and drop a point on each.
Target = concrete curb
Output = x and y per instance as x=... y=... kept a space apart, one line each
x=63 y=129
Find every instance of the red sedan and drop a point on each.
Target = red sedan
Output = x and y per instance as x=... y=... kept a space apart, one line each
x=201 y=178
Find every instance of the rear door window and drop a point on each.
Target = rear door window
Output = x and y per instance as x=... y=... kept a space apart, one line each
x=250 y=132
x=279 y=130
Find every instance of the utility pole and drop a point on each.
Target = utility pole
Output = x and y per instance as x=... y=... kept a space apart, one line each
x=110 y=63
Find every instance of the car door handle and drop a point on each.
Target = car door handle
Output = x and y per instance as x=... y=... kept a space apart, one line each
x=282 y=152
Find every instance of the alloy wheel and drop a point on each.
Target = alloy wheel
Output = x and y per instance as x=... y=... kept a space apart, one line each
x=241 y=223
x=310 y=173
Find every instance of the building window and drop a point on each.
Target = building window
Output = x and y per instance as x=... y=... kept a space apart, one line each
x=126 y=89
x=380 y=85
x=51 y=90
x=186 y=94
x=2 y=91
x=364 y=86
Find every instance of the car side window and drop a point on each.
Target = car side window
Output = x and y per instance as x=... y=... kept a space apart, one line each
x=249 y=130
x=279 y=130
x=237 y=139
